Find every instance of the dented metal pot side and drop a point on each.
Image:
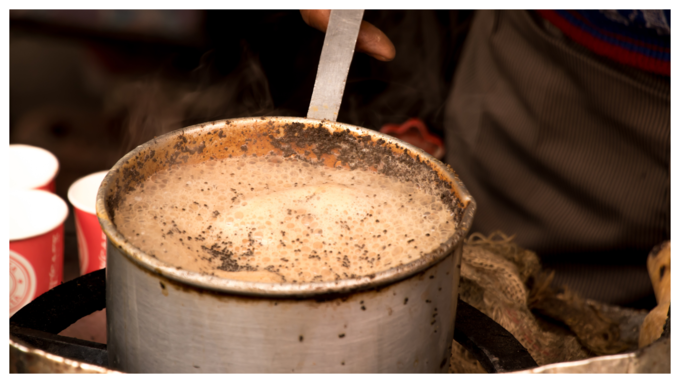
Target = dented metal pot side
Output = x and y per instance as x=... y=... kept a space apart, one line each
x=155 y=325
x=164 y=319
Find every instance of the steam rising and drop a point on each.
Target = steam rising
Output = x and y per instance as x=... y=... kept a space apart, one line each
x=416 y=83
x=156 y=105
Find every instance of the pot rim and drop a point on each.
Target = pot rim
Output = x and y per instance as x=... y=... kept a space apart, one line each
x=286 y=290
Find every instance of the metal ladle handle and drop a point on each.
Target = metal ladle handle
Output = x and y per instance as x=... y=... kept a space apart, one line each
x=336 y=57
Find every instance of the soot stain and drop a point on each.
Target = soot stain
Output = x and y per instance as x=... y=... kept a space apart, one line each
x=349 y=149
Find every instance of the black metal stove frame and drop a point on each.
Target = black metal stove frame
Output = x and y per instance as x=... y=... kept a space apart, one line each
x=39 y=322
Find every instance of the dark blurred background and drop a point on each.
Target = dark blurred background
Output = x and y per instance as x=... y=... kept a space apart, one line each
x=89 y=86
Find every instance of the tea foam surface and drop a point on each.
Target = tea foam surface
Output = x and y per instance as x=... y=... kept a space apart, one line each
x=273 y=220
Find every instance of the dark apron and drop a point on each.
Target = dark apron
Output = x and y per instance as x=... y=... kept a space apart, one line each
x=566 y=149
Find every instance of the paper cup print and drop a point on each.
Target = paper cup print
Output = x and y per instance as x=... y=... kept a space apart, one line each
x=91 y=240
x=36 y=244
x=31 y=167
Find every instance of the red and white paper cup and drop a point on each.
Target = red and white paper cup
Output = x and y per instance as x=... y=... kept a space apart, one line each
x=36 y=245
x=91 y=239
x=31 y=167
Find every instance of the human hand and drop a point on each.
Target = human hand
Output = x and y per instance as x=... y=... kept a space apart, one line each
x=371 y=40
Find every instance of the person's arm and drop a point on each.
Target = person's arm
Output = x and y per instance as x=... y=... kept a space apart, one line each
x=371 y=40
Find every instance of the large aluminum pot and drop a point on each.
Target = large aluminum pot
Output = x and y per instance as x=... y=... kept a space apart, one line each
x=164 y=319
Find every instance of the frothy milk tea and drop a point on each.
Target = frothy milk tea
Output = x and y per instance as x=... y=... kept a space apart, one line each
x=270 y=219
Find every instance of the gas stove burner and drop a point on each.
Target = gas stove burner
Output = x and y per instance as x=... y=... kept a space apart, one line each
x=38 y=323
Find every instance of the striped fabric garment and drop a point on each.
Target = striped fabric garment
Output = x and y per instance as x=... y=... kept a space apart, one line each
x=566 y=149
x=639 y=38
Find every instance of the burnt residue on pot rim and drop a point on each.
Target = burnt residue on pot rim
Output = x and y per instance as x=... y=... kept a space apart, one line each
x=313 y=141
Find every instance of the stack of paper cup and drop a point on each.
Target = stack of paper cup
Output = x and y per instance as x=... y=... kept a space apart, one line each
x=36 y=244
x=32 y=168
x=91 y=240
x=36 y=219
